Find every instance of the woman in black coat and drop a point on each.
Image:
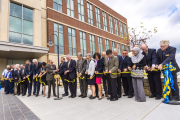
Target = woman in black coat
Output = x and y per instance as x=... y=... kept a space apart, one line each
x=99 y=65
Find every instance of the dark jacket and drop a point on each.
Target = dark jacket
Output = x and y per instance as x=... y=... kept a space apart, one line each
x=17 y=75
x=37 y=70
x=62 y=69
x=12 y=71
x=151 y=57
x=100 y=67
x=72 y=69
x=82 y=67
x=22 y=74
x=31 y=69
x=170 y=53
x=125 y=64
x=120 y=61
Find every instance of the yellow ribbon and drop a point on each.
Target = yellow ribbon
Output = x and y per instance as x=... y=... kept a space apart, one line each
x=28 y=79
x=70 y=81
x=7 y=79
x=41 y=81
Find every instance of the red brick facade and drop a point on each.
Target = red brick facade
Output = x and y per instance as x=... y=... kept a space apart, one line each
x=67 y=21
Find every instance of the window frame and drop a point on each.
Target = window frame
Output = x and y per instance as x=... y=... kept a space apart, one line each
x=125 y=30
x=105 y=21
x=98 y=17
x=70 y=7
x=107 y=44
x=84 y=43
x=112 y=45
x=72 y=42
x=116 y=26
x=82 y=18
x=92 y=44
x=111 y=24
x=119 y=48
x=100 y=44
x=57 y=2
x=121 y=29
x=90 y=13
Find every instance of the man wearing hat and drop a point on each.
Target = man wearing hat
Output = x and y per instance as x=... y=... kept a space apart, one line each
x=165 y=55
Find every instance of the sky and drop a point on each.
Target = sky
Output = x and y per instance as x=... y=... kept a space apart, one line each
x=163 y=14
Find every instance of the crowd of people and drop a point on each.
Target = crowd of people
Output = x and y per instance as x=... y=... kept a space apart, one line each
x=107 y=67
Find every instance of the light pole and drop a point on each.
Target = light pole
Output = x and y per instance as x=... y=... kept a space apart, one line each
x=50 y=43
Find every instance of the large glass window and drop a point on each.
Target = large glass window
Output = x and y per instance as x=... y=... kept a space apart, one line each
x=121 y=29
x=113 y=45
x=83 y=43
x=105 y=21
x=107 y=44
x=81 y=10
x=127 y=48
x=70 y=8
x=111 y=24
x=92 y=44
x=100 y=45
x=90 y=13
x=58 y=30
x=72 y=41
x=125 y=30
x=119 y=48
x=98 y=19
x=123 y=48
x=57 y=5
x=116 y=26
x=20 y=24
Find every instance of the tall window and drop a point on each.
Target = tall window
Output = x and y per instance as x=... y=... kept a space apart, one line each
x=20 y=24
x=127 y=48
x=98 y=20
x=58 y=30
x=72 y=41
x=92 y=44
x=100 y=45
x=116 y=26
x=105 y=21
x=123 y=48
x=107 y=44
x=81 y=10
x=119 y=48
x=57 y=5
x=110 y=24
x=113 y=45
x=70 y=8
x=83 y=43
x=90 y=13
x=121 y=28
x=125 y=30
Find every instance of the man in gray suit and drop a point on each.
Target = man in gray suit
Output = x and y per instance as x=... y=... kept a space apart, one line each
x=51 y=70
x=80 y=69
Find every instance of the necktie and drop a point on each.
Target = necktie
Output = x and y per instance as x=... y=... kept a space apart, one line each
x=108 y=63
x=29 y=69
x=163 y=55
x=23 y=71
x=68 y=64
x=51 y=67
x=80 y=65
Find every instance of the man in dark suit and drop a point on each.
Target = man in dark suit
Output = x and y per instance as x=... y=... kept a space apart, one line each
x=103 y=54
x=51 y=71
x=126 y=77
x=17 y=78
x=62 y=68
x=81 y=69
x=23 y=77
x=165 y=55
x=29 y=74
x=71 y=75
x=154 y=77
x=13 y=85
x=36 y=72
x=111 y=66
x=115 y=52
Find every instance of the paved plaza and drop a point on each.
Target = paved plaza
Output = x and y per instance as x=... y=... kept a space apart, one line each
x=35 y=108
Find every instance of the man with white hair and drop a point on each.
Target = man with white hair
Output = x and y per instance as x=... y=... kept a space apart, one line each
x=36 y=72
x=165 y=55
x=115 y=52
x=153 y=76
x=70 y=72
x=3 y=76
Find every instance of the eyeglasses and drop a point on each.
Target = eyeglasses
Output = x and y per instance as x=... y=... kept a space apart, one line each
x=124 y=53
x=51 y=62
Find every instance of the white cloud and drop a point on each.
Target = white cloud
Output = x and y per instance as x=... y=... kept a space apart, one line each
x=153 y=13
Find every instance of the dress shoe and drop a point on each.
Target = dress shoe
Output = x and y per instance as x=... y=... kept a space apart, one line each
x=23 y=95
x=113 y=99
x=73 y=96
x=37 y=95
x=59 y=85
x=130 y=96
x=109 y=98
x=70 y=96
x=97 y=96
x=18 y=94
x=64 y=95
x=157 y=98
x=14 y=94
x=93 y=97
x=80 y=95
x=90 y=96
x=125 y=95
x=100 y=99
x=55 y=95
x=152 y=96
x=118 y=96
x=34 y=94
x=28 y=95
x=48 y=97
x=107 y=95
x=83 y=96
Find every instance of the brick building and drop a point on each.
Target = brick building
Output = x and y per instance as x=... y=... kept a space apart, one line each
x=85 y=26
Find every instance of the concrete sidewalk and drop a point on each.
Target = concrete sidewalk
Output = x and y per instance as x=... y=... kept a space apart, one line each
x=85 y=109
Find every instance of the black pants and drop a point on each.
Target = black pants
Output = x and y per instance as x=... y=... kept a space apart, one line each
x=51 y=82
x=105 y=84
x=65 y=83
x=83 y=86
x=30 y=85
x=155 y=83
x=36 y=86
x=18 y=88
x=96 y=89
x=119 y=86
x=175 y=94
x=25 y=86
x=112 y=88
x=127 y=85
x=73 y=86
